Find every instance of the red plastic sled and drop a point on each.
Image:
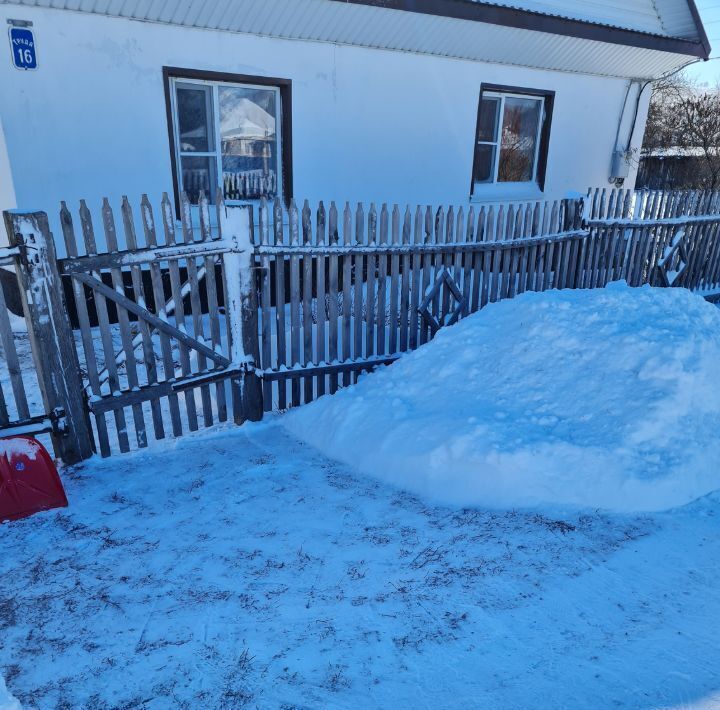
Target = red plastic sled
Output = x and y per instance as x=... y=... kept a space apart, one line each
x=29 y=481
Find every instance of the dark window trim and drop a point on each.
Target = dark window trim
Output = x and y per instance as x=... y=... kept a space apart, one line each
x=285 y=86
x=539 y=22
x=549 y=104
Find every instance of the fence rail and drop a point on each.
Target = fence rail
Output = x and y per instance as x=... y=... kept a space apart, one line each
x=208 y=318
x=341 y=289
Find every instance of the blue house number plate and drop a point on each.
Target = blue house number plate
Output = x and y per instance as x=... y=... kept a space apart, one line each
x=22 y=43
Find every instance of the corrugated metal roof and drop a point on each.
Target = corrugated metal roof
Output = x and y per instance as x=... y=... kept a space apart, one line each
x=363 y=25
x=677 y=18
x=669 y=18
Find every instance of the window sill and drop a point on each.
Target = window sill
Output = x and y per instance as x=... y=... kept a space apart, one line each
x=506 y=192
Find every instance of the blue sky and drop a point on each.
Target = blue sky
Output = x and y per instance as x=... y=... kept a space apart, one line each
x=709 y=72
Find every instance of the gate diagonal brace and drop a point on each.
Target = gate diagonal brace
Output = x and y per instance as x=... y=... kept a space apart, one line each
x=446 y=279
x=159 y=323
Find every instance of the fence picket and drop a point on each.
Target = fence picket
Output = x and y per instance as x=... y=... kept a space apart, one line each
x=477 y=263
x=347 y=281
x=91 y=365
x=405 y=322
x=148 y=222
x=370 y=266
x=176 y=292
x=293 y=227
x=358 y=285
x=496 y=278
x=395 y=285
x=280 y=302
x=426 y=267
x=466 y=260
x=265 y=305
x=126 y=337
x=414 y=275
x=515 y=262
x=307 y=293
x=145 y=333
x=211 y=293
x=382 y=282
x=525 y=263
x=105 y=333
x=488 y=235
x=13 y=365
x=321 y=313
x=195 y=307
x=447 y=264
x=333 y=295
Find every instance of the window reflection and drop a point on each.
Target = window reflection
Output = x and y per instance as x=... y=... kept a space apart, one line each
x=248 y=142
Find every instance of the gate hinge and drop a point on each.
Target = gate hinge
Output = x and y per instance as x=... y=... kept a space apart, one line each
x=59 y=421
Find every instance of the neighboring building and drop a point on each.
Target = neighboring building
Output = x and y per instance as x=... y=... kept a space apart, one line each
x=419 y=101
x=678 y=168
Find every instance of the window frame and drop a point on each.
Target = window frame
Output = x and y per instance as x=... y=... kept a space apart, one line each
x=542 y=143
x=173 y=75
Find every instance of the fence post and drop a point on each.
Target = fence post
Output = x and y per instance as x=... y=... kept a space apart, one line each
x=51 y=336
x=242 y=311
x=573 y=213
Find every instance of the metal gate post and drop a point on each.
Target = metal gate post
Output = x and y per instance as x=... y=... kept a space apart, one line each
x=51 y=336
x=242 y=311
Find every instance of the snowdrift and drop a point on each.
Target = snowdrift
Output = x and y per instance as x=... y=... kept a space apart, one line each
x=606 y=398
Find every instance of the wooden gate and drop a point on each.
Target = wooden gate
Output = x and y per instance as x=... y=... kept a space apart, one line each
x=160 y=323
x=157 y=311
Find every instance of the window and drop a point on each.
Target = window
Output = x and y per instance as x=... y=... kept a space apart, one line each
x=229 y=134
x=513 y=129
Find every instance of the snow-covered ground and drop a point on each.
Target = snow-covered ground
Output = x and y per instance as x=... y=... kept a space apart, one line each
x=243 y=567
x=246 y=568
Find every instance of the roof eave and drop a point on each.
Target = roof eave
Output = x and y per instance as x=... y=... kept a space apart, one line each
x=700 y=28
x=538 y=22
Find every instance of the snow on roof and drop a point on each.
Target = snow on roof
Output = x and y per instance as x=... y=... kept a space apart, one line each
x=671 y=18
x=680 y=152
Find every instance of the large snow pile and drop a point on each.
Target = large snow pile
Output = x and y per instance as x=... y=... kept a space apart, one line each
x=606 y=398
x=7 y=701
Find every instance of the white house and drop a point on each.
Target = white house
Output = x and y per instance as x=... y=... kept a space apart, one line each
x=409 y=101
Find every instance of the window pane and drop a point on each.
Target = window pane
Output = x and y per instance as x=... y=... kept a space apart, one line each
x=194 y=115
x=249 y=142
x=199 y=173
x=488 y=119
x=521 y=119
x=484 y=162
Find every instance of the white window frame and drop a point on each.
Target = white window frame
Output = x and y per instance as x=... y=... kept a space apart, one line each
x=502 y=95
x=215 y=118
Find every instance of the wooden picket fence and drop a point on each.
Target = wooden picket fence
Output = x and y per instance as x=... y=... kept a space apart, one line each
x=343 y=291
x=220 y=313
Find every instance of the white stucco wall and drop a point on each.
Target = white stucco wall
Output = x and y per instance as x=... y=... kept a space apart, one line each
x=7 y=189
x=367 y=124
